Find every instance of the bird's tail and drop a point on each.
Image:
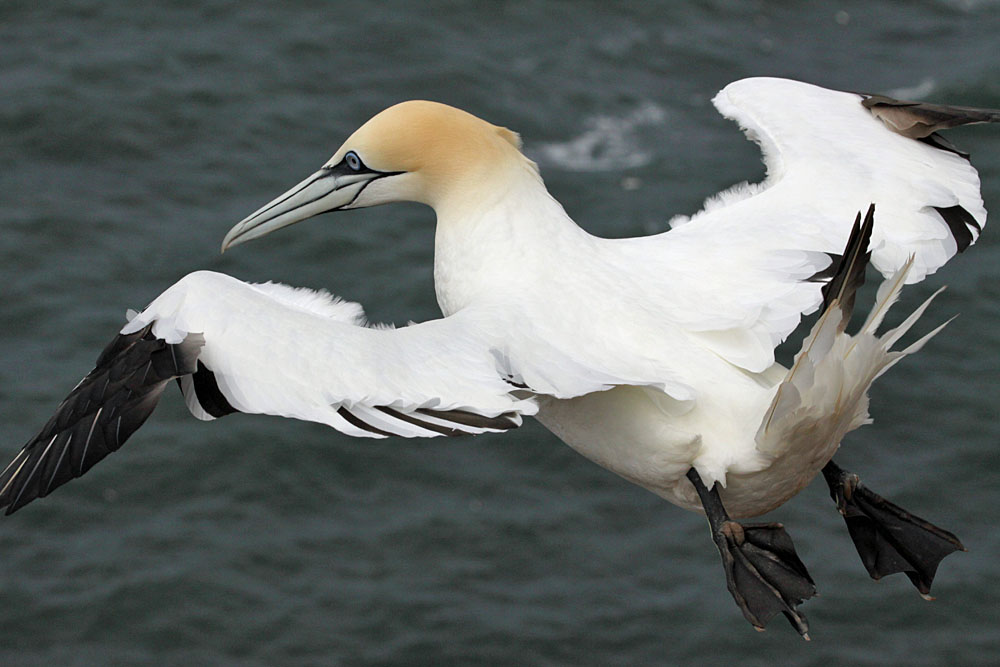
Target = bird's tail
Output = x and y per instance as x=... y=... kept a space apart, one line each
x=825 y=394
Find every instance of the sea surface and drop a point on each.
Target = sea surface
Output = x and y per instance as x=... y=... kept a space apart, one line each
x=133 y=135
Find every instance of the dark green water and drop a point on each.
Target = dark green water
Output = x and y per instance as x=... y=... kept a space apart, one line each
x=133 y=138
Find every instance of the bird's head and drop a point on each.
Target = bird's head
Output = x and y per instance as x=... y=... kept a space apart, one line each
x=414 y=151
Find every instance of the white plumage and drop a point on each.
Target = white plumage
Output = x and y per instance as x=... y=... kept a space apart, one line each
x=688 y=320
x=651 y=356
x=297 y=353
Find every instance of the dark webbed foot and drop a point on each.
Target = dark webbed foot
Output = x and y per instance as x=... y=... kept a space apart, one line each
x=888 y=538
x=763 y=572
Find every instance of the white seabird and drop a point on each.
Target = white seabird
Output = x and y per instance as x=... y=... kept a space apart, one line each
x=654 y=356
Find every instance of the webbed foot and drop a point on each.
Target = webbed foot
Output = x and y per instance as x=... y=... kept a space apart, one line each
x=763 y=572
x=888 y=538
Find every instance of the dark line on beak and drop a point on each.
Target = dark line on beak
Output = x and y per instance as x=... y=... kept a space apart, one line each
x=289 y=195
x=357 y=194
x=362 y=188
x=331 y=172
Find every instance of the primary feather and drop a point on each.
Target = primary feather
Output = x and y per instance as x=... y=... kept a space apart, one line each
x=648 y=355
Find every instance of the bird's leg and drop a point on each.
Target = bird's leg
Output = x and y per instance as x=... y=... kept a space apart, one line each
x=763 y=572
x=888 y=538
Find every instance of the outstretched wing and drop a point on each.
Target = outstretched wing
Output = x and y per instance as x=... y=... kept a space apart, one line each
x=271 y=349
x=752 y=261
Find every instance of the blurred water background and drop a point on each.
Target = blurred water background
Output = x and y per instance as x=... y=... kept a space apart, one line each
x=134 y=135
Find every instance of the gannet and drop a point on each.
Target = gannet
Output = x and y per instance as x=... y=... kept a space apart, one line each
x=653 y=356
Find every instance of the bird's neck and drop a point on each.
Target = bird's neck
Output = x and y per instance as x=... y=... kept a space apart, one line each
x=494 y=241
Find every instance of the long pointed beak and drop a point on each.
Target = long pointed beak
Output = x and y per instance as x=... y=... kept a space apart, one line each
x=329 y=189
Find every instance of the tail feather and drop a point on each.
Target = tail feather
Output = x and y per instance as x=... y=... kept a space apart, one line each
x=887 y=295
x=824 y=395
x=850 y=274
x=890 y=337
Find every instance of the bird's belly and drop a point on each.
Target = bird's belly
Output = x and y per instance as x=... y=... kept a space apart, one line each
x=631 y=433
x=625 y=431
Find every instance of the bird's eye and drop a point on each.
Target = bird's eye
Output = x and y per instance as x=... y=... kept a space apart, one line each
x=353 y=161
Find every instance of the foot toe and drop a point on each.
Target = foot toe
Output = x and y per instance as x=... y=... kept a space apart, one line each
x=766 y=576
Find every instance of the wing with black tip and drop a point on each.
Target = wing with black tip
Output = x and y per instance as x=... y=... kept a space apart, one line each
x=271 y=349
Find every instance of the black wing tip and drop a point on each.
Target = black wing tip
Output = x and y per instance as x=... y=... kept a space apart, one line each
x=937 y=141
x=961 y=223
x=207 y=392
x=411 y=419
x=875 y=100
x=456 y=422
x=502 y=422
x=923 y=121
x=98 y=416
x=825 y=275
x=356 y=421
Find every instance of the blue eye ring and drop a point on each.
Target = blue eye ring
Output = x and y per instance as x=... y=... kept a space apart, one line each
x=353 y=161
